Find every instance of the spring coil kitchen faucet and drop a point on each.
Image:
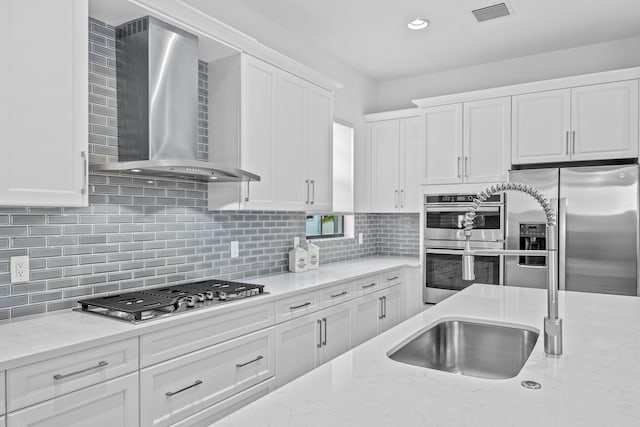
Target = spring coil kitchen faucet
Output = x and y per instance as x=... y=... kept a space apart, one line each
x=552 y=322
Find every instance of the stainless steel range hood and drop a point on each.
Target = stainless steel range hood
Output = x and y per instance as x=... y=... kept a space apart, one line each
x=157 y=79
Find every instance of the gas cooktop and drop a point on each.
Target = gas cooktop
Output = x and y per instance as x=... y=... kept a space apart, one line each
x=150 y=304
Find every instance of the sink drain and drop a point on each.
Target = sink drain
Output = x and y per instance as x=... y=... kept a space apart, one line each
x=531 y=385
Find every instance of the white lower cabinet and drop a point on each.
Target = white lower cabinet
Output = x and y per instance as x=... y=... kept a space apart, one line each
x=108 y=404
x=375 y=313
x=179 y=388
x=220 y=410
x=2 y=393
x=308 y=341
x=3 y=423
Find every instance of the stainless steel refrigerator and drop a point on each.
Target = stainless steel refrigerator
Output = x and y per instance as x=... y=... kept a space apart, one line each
x=597 y=228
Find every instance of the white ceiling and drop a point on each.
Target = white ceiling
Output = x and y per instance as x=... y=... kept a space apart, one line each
x=371 y=35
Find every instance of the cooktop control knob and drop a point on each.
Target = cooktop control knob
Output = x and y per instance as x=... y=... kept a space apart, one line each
x=191 y=301
x=209 y=295
x=199 y=297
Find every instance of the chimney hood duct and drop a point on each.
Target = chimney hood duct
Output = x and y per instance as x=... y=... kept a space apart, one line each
x=157 y=78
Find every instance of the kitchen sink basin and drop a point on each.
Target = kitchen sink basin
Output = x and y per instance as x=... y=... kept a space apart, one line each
x=470 y=348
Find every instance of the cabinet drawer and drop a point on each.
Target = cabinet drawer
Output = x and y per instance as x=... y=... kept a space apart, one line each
x=40 y=381
x=3 y=409
x=296 y=306
x=337 y=294
x=111 y=403
x=390 y=278
x=220 y=410
x=181 y=387
x=175 y=341
x=367 y=285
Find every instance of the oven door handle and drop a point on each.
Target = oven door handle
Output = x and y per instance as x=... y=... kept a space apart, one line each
x=445 y=251
x=462 y=209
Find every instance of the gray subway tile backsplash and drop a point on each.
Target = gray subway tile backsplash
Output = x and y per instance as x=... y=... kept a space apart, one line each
x=149 y=232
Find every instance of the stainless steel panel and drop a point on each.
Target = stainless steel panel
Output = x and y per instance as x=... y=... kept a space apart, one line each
x=469 y=348
x=602 y=228
x=523 y=209
x=157 y=71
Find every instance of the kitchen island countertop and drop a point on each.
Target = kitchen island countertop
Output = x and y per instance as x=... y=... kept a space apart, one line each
x=596 y=382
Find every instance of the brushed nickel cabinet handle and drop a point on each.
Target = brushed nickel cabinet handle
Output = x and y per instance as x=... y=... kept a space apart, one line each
x=368 y=286
x=466 y=166
x=380 y=315
x=324 y=341
x=319 y=333
x=100 y=364
x=573 y=146
x=295 y=307
x=392 y=278
x=306 y=181
x=240 y=365
x=173 y=393
x=246 y=199
x=84 y=172
x=395 y=198
x=313 y=191
x=567 y=138
x=459 y=174
x=402 y=198
x=384 y=307
x=339 y=295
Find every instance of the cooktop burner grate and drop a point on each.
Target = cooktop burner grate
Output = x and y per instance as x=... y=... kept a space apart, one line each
x=152 y=303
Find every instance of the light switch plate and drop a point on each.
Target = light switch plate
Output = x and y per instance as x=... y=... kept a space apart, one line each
x=360 y=238
x=19 y=269
x=234 y=249
x=296 y=242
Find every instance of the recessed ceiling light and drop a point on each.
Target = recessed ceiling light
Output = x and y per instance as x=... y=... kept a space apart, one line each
x=418 y=24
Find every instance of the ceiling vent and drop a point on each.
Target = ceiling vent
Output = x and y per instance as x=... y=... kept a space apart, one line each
x=491 y=12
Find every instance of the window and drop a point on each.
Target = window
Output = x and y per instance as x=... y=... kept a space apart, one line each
x=337 y=224
x=319 y=226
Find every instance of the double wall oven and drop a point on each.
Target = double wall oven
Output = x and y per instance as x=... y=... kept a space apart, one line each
x=444 y=242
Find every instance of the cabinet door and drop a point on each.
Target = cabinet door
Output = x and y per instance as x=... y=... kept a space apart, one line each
x=297 y=344
x=393 y=307
x=385 y=145
x=541 y=126
x=336 y=331
x=366 y=313
x=411 y=136
x=441 y=158
x=487 y=140
x=43 y=115
x=292 y=190
x=258 y=132
x=108 y=404
x=604 y=120
x=319 y=156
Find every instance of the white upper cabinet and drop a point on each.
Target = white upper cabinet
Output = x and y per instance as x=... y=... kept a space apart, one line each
x=441 y=158
x=43 y=113
x=467 y=143
x=593 y=122
x=487 y=140
x=604 y=120
x=276 y=125
x=395 y=146
x=242 y=107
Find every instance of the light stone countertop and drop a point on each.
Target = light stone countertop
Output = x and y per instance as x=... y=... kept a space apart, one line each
x=29 y=339
x=596 y=382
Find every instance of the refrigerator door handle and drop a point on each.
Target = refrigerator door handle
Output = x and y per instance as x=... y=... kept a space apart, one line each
x=562 y=242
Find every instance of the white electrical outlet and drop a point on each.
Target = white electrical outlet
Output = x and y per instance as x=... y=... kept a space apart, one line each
x=296 y=242
x=235 y=251
x=19 y=269
x=360 y=238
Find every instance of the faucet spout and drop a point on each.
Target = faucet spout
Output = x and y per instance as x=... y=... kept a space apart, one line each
x=552 y=321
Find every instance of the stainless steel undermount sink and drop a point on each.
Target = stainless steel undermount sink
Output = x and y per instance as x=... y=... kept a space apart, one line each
x=470 y=348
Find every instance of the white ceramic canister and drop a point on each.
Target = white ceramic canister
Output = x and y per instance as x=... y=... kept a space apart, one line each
x=314 y=256
x=298 y=260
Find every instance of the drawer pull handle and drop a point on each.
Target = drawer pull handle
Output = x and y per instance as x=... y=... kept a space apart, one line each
x=172 y=393
x=91 y=368
x=295 y=307
x=240 y=365
x=368 y=286
x=339 y=295
x=392 y=278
